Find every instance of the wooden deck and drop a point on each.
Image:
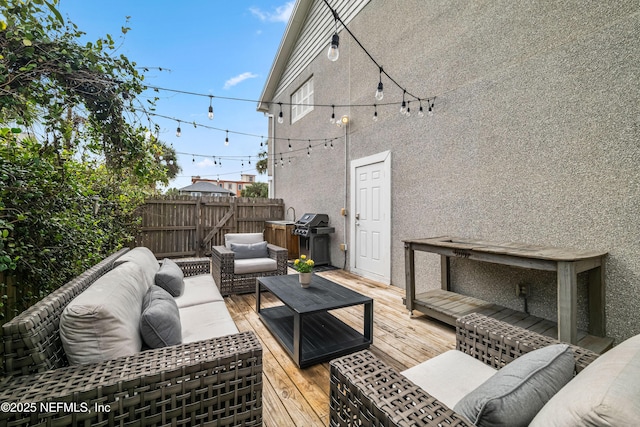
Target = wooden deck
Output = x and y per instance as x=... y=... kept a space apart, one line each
x=300 y=397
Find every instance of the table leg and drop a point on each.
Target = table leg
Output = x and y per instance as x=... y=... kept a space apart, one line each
x=445 y=276
x=257 y=296
x=597 y=319
x=567 y=302
x=368 y=321
x=297 y=343
x=410 y=276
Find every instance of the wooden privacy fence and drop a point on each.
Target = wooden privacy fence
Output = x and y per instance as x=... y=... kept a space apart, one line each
x=186 y=226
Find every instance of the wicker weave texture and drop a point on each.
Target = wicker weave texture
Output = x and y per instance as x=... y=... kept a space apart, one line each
x=217 y=381
x=229 y=283
x=194 y=266
x=212 y=382
x=367 y=392
x=31 y=341
x=497 y=343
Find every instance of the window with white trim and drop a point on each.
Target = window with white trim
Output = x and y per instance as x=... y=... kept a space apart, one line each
x=302 y=101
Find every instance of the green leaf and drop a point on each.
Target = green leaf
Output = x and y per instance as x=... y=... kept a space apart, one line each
x=27 y=42
x=55 y=11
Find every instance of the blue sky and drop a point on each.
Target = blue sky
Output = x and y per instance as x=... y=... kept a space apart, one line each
x=215 y=47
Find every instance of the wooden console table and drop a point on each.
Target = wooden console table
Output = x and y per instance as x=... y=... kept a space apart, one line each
x=567 y=263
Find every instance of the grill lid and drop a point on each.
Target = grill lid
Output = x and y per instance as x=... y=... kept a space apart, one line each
x=310 y=220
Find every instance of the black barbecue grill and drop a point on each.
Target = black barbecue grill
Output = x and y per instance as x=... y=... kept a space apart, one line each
x=314 y=232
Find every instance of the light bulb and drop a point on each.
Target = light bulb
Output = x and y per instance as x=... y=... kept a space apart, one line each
x=226 y=141
x=333 y=53
x=280 y=118
x=332 y=120
x=210 y=112
x=178 y=132
x=420 y=112
x=403 y=108
x=408 y=112
x=379 y=93
x=375 y=116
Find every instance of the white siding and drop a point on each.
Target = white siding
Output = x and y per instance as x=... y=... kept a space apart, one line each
x=316 y=35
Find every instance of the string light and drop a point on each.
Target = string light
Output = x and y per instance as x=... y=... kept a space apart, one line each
x=333 y=53
x=226 y=140
x=408 y=112
x=375 y=113
x=420 y=111
x=403 y=106
x=210 y=107
x=290 y=147
x=178 y=131
x=280 y=117
x=379 y=93
x=332 y=120
x=430 y=112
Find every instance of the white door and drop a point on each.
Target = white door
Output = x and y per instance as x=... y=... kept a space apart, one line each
x=371 y=219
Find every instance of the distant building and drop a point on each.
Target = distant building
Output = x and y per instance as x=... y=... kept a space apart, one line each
x=234 y=187
x=205 y=188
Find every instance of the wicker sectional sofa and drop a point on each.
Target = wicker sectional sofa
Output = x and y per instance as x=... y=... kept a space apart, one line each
x=214 y=377
x=601 y=390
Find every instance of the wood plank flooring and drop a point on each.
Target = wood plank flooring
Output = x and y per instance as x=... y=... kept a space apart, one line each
x=300 y=397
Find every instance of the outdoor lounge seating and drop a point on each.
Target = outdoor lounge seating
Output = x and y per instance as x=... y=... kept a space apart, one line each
x=605 y=391
x=245 y=257
x=214 y=375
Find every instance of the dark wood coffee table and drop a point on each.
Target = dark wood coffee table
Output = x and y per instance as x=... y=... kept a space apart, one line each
x=303 y=325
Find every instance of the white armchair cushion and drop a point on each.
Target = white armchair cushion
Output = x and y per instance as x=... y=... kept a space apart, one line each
x=254 y=265
x=449 y=376
x=243 y=238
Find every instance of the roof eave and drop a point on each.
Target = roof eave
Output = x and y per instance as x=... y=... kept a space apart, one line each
x=287 y=44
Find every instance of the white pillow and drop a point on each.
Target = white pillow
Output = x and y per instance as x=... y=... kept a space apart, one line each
x=243 y=238
x=605 y=393
x=102 y=323
x=145 y=259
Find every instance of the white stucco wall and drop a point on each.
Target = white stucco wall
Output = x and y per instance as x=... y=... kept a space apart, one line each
x=535 y=138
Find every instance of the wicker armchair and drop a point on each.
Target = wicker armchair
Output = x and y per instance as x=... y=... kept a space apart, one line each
x=216 y=381
x=230 y=283
x=366 y=391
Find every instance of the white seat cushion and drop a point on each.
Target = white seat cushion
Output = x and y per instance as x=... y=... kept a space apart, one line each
x=450 y=376
x=254 y=265
x=205 y=321
x=199 y=289
x=242 y=238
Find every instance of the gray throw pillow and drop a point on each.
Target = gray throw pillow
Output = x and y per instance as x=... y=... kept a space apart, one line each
x=516 y=393
x=170 y=278
x=250 y=250
x=160 y=320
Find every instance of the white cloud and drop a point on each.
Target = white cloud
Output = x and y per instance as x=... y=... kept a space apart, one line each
x=238 y=79
x=205 y=163
x=280 y=14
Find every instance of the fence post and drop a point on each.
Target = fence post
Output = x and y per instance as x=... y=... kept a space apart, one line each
x=199 y=227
